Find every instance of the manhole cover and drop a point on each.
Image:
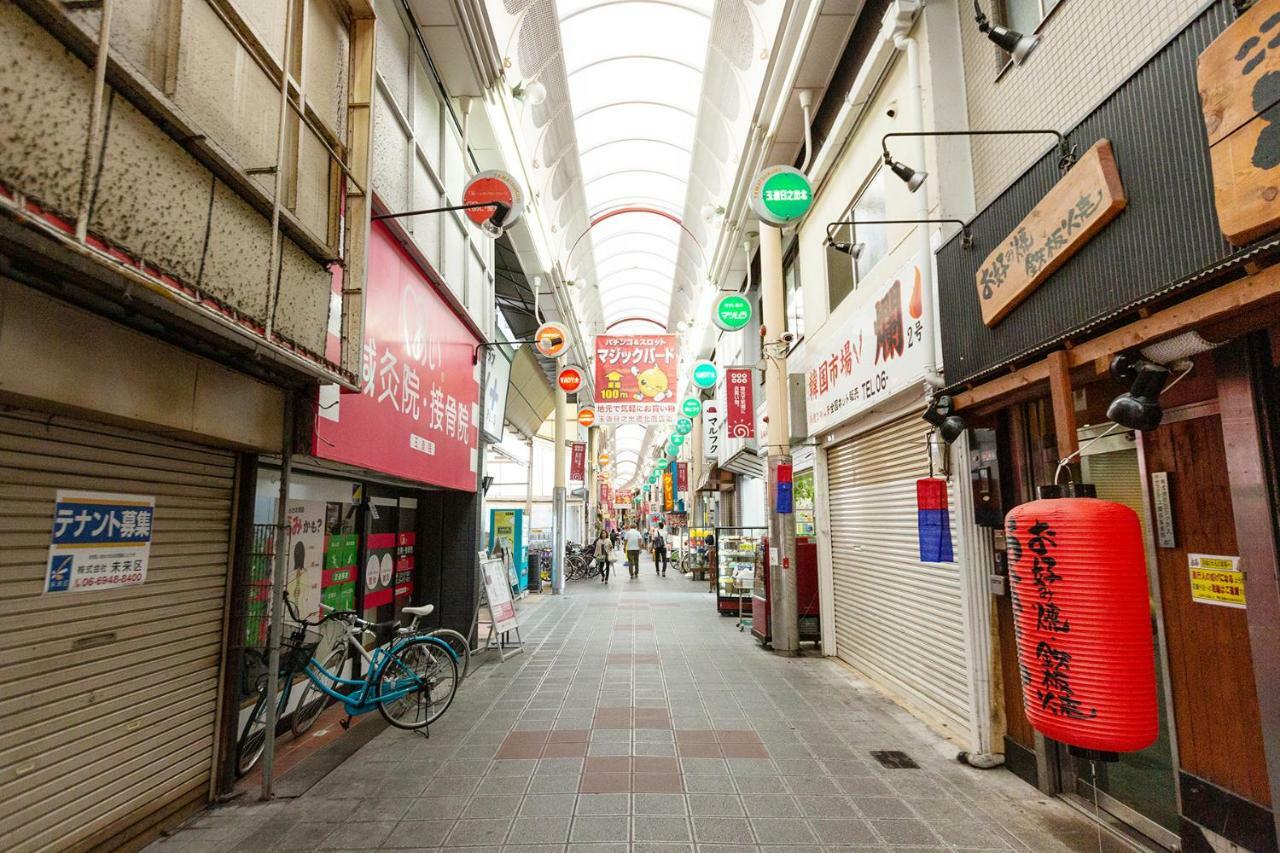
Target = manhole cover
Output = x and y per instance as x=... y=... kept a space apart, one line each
x=895 y=759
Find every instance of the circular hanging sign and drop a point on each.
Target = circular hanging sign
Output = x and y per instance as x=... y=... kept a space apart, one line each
x=604 y=458
x=781 y=194
x=551 y=339
x=733 y=312
x=705 y=372
x=692 y=407
x=569 y=379
x=493 y=186
x=677 y=439
x=587 y=417
x=684 y=426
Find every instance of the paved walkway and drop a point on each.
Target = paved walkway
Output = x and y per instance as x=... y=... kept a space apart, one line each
x=638 y=720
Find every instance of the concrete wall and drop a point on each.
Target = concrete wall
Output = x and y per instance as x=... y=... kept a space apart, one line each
x=106 y=372
x=152 y=197
x=1087 y=48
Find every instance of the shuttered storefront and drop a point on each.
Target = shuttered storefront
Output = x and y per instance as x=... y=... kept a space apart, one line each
x=107 y=698
x=897 y=620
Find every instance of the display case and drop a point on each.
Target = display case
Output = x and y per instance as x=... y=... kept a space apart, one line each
x=739 y=560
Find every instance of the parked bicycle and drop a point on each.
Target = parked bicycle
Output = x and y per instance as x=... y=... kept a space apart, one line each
x=411 y=678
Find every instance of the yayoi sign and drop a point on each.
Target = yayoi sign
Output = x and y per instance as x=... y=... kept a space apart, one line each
x=705 y=373
x=733 y=312
x=781 y=194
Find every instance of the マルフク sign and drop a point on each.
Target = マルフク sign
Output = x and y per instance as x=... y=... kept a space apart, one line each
x=1087 y=198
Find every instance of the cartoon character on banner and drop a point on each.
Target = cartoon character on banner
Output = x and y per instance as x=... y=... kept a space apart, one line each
x=652 y=385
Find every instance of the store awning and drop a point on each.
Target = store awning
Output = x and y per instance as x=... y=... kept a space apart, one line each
x=529 y=396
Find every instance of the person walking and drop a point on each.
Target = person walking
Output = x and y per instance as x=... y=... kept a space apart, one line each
x=660 y=550
x=602 y=555
x=633 y=543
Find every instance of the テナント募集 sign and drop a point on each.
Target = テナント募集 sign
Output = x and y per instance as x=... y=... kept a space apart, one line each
x=1079 y=205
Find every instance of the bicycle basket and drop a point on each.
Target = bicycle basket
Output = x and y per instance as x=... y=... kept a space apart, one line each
x=297 y=649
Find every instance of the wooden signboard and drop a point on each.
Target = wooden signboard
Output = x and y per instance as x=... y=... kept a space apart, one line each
x=1078 y=207
x=1239 y=79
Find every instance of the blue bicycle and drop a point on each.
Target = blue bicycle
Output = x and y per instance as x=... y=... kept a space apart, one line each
x=410 y=678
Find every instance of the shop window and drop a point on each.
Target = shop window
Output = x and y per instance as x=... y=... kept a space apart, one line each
x=844 y=271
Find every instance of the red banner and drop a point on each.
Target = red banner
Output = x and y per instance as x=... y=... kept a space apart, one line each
x=682 y=477
x=636 y=379
x=740 y=418
x=578 y=461
x=415 y=416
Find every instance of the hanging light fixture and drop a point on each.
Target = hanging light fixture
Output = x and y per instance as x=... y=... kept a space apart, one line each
x=1012 y=42
x=914 y=178
x=1139 y=407
x=855 y=250
x=532 y=93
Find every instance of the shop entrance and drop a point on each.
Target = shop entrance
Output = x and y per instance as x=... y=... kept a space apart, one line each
x=1140 y=788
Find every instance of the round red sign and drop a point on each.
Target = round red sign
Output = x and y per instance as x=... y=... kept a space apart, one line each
x=569 y=379
x=493 y=186
x=587 y=417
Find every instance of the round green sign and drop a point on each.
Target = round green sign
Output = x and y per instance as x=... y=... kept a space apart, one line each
x=733 y=312
x=684 y=426
x=705 y=372
x=677 y=439
x=781 y=194
x=692 y=407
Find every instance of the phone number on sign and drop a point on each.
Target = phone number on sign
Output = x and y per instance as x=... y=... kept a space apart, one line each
x=107 y=580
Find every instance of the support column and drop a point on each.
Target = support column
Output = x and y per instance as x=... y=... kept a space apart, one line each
x=559 y=516
x=589 y=483
x=782 y=530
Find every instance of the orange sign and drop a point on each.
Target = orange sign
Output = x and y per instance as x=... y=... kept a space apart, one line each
x=587 y=417
x=551 y=339
x=569 y=379
x=604 y=458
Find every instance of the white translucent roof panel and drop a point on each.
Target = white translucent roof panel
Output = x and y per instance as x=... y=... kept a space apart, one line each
x=618 y=155
x=635 y=78
x=658 y=119
x=593 y=33
x=638 y=181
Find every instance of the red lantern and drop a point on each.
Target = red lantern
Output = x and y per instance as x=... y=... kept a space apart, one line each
x=1078 y=583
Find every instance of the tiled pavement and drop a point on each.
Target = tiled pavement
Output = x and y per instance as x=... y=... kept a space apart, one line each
x=638 y=720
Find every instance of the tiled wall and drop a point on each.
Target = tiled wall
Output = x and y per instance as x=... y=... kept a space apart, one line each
x=1087 y=48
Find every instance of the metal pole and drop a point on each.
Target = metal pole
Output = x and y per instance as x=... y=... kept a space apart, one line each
x=277 y=598
x=273 y=280
x=558 y=492
x=782 y=530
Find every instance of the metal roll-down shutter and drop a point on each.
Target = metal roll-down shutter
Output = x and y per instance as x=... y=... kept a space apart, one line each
x=107 y=697
x=897 y=620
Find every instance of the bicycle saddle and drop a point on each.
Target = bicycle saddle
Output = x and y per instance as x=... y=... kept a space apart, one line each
x=424 y=610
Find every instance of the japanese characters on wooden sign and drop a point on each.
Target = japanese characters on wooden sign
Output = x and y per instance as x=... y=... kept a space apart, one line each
x=1078 y=207
x=1239 y=81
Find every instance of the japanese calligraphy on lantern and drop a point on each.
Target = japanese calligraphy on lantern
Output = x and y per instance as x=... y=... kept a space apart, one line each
x=1216 y=580
x=868 y=351
x=1036 y=611
x=1079 y=205
x=100 y=541
x=740 y=402
x=636 y=379
x=416 y=415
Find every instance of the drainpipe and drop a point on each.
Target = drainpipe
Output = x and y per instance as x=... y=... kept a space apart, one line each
x=559 y=489
x=278 y=571
x=932 y=377
x=93 y=140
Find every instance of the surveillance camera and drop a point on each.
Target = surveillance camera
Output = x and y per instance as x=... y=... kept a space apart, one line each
x=788 y=338
x=892 y=110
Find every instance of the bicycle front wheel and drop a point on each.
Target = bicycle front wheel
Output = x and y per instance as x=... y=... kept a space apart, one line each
x=313 y=699
x=420 y=679
x=253 y=737
x=461 y=649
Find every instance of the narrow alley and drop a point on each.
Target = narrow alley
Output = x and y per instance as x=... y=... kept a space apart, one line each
x=638 y=719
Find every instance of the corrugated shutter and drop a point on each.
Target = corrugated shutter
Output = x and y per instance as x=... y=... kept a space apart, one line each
x=897 y=620
x=107 y=699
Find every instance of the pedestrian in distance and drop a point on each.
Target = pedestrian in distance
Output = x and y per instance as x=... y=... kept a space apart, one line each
x=633 y=543
x=602 y=555
x=660 y=551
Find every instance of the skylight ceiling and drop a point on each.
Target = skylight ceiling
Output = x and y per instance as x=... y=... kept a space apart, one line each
x=634 y=69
